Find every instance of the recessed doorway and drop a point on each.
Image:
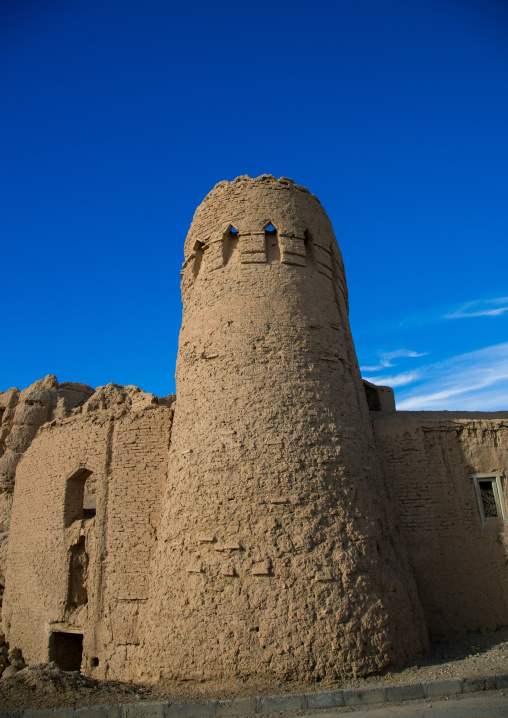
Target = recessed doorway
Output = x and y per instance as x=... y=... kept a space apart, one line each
x=66 y=650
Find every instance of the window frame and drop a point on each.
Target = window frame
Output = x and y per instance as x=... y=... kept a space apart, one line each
x=497 y=486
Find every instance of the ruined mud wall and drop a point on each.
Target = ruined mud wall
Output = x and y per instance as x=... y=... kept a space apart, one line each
x=86 y=503
x=276 y=551
x=21 y=415
x=460 y=565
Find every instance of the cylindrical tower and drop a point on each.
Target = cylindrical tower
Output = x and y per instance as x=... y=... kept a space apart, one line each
x=277 y=553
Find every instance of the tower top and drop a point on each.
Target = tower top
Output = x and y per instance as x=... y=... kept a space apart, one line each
x=261 y=180
x=250 y=205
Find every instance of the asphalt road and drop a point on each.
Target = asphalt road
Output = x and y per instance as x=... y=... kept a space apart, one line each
x=484 y=704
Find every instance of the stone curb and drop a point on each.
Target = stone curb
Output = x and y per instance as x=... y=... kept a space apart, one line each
x=276 y=704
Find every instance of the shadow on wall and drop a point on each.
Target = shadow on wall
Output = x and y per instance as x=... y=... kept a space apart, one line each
x=447 y=477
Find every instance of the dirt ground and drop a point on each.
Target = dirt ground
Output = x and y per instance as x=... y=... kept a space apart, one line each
x=48 y=687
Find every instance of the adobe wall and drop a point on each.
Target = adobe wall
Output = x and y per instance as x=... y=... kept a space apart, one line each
x=136 y=489
x=87 y=575
x=21 y=415
x=250 y=529
x=460 y=566
x=277 y=553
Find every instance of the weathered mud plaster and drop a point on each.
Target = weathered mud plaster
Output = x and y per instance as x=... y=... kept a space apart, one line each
x=21 y=416
x=277 y=550
x=86 y=507
x=261 y=524
x=430 y=458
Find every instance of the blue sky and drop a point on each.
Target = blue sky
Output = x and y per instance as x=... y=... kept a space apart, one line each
x=119 y=117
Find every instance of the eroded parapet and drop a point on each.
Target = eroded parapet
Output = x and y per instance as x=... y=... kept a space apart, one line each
x=254 y=246
x=227 y=231
x=25 y=412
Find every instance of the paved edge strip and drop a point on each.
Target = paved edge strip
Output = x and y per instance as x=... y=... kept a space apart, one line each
x=275 y=704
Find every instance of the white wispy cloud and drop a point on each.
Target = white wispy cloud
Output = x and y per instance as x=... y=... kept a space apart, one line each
x=480 y=308
x=402 y=379
x=386 y=359
x=476 y=381
x=433 y=315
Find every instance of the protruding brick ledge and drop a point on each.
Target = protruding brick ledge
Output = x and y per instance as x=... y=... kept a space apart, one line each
x=275 y=704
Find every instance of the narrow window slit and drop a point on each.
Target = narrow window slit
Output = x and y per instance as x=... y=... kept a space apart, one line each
x=230 y=244
x=272 y=244
x=309 y=247
x=198 y=258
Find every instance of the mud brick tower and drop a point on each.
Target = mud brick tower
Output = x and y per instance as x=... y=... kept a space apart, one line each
x=258 y=523
x=277 y=551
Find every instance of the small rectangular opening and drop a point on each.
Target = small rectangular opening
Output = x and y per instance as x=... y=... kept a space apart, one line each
x=488 y=499
x=66 y=650
x=489 y=494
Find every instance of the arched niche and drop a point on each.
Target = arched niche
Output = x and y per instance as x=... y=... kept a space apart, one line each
x=80 y=500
